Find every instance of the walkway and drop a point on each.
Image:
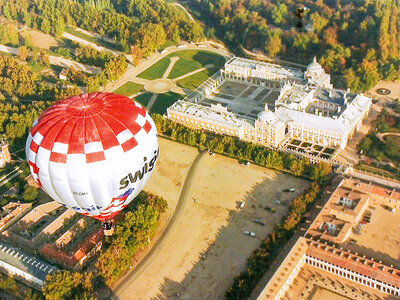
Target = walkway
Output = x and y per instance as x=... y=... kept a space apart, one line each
x=172 y=63
x=151 y=102
x=381 y=136
x=189 y=74
x=124 y=290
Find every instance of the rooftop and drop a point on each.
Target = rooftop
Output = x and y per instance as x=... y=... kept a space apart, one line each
x=281 y=70
x=27 y=263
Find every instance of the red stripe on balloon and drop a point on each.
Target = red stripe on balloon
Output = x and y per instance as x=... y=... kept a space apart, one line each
x=34 y=147
x=129 y=144
x=58 y=157
x=95 y=156
x=147 y=126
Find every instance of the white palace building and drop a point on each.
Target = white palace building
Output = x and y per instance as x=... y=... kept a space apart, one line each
x=273 y=105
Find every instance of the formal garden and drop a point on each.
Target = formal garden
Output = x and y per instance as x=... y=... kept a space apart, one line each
x=189 y=70
x=380 y=149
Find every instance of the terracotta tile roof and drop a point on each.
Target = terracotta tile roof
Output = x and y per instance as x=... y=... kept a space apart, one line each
x=355 y=263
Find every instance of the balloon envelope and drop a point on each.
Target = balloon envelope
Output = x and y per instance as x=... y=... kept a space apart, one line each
x=93 y=153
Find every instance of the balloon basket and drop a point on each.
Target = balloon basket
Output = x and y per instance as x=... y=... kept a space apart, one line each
x=108 y=228
x=109 y=232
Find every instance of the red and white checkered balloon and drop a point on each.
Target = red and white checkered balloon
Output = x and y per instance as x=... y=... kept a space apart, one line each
x=93 y=153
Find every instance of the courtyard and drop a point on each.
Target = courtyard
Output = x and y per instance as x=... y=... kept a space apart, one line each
x=243 y=99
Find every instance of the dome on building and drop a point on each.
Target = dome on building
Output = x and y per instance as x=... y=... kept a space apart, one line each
x=314 y=65
x=266 y=115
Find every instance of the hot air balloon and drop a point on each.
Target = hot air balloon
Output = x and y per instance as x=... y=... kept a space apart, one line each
x=93 y=153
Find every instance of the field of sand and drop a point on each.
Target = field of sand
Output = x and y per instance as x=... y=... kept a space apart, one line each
x=204 y=247
x=41 y=40
x=394 y=87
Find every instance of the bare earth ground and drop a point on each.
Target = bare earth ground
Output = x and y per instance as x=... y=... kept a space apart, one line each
x=394 y=87
x=42 y=40
x=166 y=181
x=208 y=223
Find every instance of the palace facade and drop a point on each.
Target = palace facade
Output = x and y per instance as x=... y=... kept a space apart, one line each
x=272 y=104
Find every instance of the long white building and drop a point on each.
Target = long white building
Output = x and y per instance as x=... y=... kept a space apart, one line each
x=272 y=104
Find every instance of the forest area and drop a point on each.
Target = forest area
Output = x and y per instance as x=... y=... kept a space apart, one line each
x=129 y=22
x=358 y=42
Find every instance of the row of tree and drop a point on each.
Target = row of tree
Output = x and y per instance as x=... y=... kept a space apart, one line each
x=234 y=147
x=259 y=261
x=357 y=39
x=127 y=21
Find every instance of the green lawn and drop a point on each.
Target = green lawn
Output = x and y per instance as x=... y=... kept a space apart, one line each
x=195 y=80
x=156 y=70
x=164 y=101
x=191 y=60
x=144 y=98
x=129 y=89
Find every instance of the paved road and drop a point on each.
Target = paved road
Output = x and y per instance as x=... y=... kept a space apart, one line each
x=58 y=61
x=122 y=291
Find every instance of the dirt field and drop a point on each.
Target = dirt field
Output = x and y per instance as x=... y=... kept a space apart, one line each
x=322 y=293
x=170 y=171
x=42 y=40
x=394 y=87
x=208 y=222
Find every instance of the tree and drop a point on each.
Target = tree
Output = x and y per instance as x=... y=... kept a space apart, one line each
x=193 y=31
x=44 y=58
x=23 y=53
x=320 y=171
x=352 y=80
x=30 y=194
x=151 y=36
x=59 y=27
x=66 y=285
x=45 y=26
x=279 y=13
x=319 y=22
x=273 y=44
x=9 y=35
x=137 y=54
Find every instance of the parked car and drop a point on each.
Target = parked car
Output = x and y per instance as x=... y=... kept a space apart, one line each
x=277 y=201
x=271 y=209
x=257 y=221
x=249 y=233
x=241 y=205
